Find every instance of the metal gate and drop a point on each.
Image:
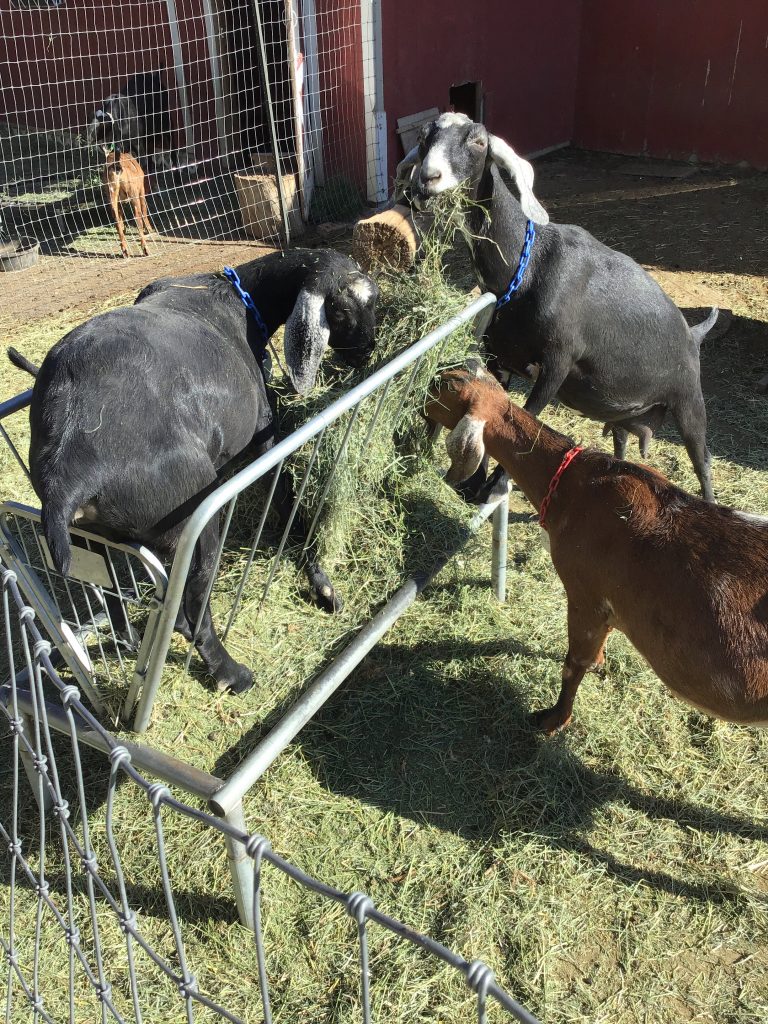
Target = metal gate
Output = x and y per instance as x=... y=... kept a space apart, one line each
x=113 y=616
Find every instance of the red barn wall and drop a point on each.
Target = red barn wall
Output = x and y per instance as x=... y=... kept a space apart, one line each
x=525 y=55
x=59 y=62
x=675 y=78
x=341 y=89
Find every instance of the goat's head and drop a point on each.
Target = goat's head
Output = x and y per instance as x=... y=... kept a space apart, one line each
x=336 y=307
x=464 y=400
x=116 y=121
x=454 y=150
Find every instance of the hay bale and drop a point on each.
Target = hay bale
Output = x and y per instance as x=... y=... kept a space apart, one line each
x=258 y=195
x=386 y=239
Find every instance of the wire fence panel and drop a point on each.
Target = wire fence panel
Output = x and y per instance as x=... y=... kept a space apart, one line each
x=102 y=616
x=241 y=121
x=78 y=940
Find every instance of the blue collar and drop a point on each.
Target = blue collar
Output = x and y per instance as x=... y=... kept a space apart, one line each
x=232 y=276
x=525 y=257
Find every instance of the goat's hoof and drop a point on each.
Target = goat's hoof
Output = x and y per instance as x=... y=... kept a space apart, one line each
x=325 y=594
x=329 y=600
x=492 y=490
x=549 y=721
x=128 y=635
x=237 y=681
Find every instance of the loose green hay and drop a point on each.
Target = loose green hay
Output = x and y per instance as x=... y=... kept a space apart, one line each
x=363 y=519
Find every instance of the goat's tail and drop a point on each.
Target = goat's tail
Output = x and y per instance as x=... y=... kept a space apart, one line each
x=22 y=362
x=55 y=518
x=700 y=331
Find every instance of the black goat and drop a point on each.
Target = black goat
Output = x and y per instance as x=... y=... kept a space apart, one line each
x=136 y=119
x=605 y=338
x=134 y=413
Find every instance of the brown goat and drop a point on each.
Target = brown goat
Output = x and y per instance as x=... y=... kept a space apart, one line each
x=124 y=179
x=685 y=580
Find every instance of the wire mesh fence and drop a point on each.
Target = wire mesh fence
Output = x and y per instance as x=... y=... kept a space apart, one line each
x=77 y=942
x=246 y=119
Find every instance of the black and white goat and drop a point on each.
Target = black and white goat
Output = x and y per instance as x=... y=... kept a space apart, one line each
x=603 y=336
x=136 y=120
x=135 y=412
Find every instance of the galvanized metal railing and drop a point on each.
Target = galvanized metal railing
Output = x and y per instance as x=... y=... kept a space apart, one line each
x=116 y=592
x=377 y=387
x=50 y=859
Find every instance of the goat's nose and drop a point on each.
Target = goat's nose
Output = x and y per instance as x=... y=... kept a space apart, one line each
x=431 y=176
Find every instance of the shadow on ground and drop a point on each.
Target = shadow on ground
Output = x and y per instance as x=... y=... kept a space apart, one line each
x=469 y=762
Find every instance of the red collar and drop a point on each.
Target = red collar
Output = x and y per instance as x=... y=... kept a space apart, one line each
x=568 y=458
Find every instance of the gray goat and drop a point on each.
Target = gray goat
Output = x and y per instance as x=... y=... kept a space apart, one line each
x=602 y=335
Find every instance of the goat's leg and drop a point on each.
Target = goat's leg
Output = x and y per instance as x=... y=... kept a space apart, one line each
x=137 y=216
x=229 y=674
x=323 y=591
x=620 y=438
x=145 y=215
x=587 y=633
x=117 y=213
x=691 y=418
x=121 y=624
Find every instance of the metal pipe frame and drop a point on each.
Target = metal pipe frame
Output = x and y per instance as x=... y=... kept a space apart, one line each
x=215 y=501
x=225 y=797
x=264 y=69
x=274 y=743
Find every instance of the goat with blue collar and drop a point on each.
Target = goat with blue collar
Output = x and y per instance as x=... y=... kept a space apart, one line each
x=135 y=412
x=592 y=327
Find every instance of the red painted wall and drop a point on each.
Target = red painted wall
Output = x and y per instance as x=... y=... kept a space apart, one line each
x=525 y=55
x=675 y=78
x=340 y=43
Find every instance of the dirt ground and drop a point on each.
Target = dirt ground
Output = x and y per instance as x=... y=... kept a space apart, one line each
x=702 y=231
x=59 y=284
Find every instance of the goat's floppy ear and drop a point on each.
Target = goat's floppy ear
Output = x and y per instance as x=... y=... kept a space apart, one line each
x=404 y=172
x=522 y=172
x=305 y=340
x=466 y=448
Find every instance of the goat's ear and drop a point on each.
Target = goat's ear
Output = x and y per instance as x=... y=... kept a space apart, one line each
x=466 y=449
x=305 y=340
x=404 y=172
x=522 y=172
